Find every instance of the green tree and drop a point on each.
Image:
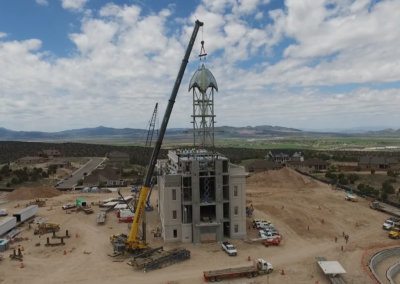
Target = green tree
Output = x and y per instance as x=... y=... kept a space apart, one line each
x=45 y=175
x=387 y=187
x=390 y=173
x=358 y=169
x=384 y=195
x=80 y=182
x=353 y=178
x=14 y=180
x=372 y=171
x=34 y=177
x=341 y=176
x=343 y=181
x=361 y=186
x=8 y=184
x=4 y=169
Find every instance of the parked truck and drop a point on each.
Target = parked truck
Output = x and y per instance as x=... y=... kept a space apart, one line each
x=260 y=267
x=385 y=208
x=7 y=224
x=229 y=248
x=395 y=233
x=350 y=197
x=390 y=224
x=82 y=204
x=3 y=212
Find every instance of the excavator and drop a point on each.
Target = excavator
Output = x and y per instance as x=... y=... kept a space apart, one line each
x=133 y=243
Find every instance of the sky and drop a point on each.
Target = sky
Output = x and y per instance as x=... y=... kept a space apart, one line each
x=315 y=64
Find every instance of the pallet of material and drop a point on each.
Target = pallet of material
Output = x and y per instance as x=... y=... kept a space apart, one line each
x=101 y=217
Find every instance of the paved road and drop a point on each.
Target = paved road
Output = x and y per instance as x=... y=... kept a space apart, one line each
x=79 y=173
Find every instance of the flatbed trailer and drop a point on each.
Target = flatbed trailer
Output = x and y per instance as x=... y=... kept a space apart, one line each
x=258 y=268
x=385 y=208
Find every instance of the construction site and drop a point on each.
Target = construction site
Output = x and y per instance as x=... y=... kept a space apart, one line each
x=282 y=226
x=310 y=216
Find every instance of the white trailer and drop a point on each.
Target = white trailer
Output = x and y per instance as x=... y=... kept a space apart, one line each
x=26 y=213
x=7 y=224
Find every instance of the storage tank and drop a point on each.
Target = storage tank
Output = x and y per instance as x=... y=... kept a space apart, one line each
x=7 y=224
x=26 y=213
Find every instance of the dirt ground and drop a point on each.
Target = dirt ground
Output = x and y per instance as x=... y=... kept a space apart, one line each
x=289 y=200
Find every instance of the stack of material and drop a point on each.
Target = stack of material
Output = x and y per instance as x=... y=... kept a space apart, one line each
x=101 y=217
x=4 y=245
x=26 y=193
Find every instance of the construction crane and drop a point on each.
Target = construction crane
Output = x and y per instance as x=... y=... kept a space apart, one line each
x=133 y=243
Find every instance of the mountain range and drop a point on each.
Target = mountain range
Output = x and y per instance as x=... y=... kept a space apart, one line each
x=131 y=134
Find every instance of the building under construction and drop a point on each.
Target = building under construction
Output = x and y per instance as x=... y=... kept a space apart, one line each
x=202 y=197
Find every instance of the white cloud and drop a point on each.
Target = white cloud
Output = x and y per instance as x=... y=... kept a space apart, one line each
x=73 y=4
x=259 y=16
x=2 y=34
x=42 y=2
x=126 y=61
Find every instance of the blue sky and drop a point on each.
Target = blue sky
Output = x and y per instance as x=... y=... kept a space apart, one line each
x=295 y=63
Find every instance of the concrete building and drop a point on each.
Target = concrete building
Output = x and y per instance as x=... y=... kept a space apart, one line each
x=201 y=197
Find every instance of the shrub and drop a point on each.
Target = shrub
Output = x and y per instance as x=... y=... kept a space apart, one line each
x=8 y=184
x=341 y=176
x=34 y=177
x=358 y=169
x=14 y=180
x=353 y=178
x=80 y=182
x=372 y=171
x=343 y=181
x=45 y=175
x=384 y=195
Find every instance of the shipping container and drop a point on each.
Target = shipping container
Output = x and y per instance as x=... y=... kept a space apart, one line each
x=7 y=224
x=80 y=202
x=26 y=213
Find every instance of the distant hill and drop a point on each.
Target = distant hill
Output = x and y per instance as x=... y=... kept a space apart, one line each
x=132 y=134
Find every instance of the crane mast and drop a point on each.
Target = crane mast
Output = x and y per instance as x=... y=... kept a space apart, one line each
x=133 y=242
x=152 y=125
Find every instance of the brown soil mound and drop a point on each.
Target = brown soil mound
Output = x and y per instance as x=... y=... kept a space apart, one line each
x=25 y=193
x=283 y=178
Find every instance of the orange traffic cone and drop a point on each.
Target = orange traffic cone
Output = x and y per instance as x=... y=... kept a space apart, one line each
x=76 y=235
x=22 y=265
x=65 y=252
x=357 y=224
x=283 y=272
x=22 y=248
x=248 y=258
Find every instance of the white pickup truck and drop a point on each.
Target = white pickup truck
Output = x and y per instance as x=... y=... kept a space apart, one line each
x=3 y=212
x=230 y=249
x=391 y=224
